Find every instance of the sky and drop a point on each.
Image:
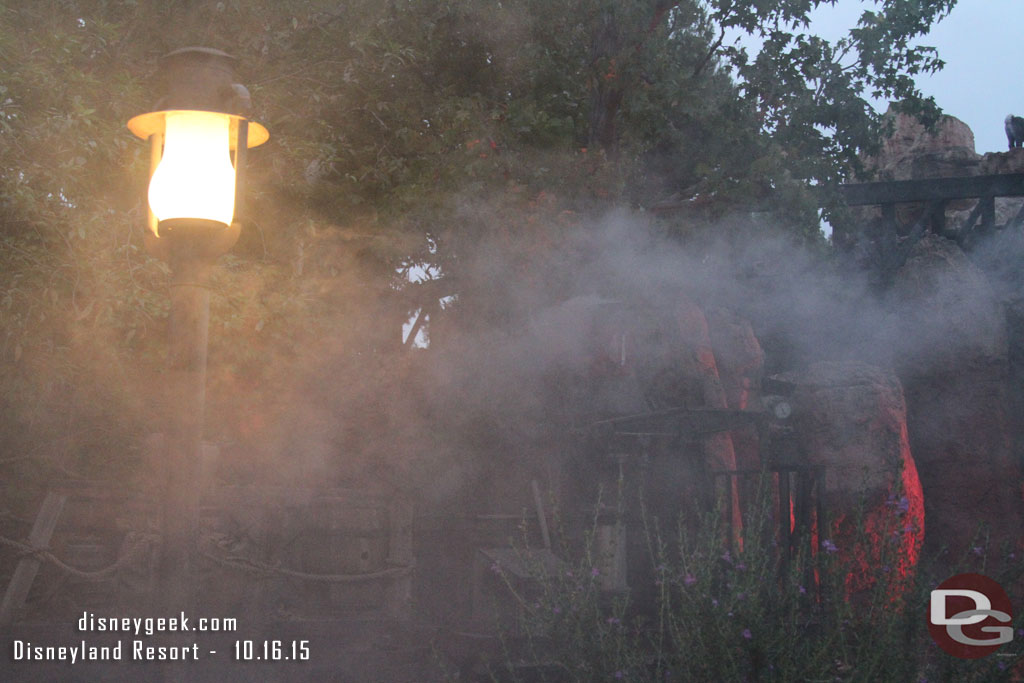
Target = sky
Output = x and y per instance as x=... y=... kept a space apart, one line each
x=982 y=43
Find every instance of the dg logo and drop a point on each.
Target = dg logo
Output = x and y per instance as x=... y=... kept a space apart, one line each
x=970 y=616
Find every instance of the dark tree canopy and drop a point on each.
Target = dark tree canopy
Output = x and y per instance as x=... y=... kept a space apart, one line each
x=402 y=133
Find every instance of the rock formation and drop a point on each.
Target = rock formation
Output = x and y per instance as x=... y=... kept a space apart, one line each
x=950 y=349
x=851 y=418
x=914 y=152
x=947 y=340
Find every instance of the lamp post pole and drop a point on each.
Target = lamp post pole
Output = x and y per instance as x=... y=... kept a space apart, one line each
x=188 y=334
x=198 y=137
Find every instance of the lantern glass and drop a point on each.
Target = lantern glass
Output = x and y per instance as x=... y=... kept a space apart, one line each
x=195 y=177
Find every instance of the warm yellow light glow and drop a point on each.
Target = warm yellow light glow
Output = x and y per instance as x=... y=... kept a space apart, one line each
x=195 y=178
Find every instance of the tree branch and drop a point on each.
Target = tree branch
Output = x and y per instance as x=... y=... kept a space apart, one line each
x=711 y=53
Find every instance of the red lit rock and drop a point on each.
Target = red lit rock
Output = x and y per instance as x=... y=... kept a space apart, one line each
x=851 y=418
x=949 y=347
x=740 y=362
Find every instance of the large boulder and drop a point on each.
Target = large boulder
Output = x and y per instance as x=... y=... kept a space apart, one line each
x=945 y=315
x=738 y=354
x=851 y=419
x=1011 y=161
x=949 y=348
x=913 y=151
x=740 y=361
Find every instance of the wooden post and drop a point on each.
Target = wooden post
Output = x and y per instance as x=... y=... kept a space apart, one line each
x=610 y=547
x=400 y=552
x=938 y=217
x=25 y=572
x=786 y=540
x=889 y=218
x=541 y=517
x=988 y=214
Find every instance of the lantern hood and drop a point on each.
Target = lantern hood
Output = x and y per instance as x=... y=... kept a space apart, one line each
x=199 y=79
x=198 y=133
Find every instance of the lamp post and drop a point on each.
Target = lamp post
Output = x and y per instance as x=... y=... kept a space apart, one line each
x=198 y=139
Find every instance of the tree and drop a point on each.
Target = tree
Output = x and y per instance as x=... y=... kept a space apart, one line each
x=404 y=135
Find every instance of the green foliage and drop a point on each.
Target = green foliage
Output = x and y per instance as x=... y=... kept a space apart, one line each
x=741 y=615
x=477 y=127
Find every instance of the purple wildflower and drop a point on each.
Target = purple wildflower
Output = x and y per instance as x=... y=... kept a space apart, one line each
x=595 y=572
x=747 y=634
x=740 y=566
x=829 y=546
x=689 y=579
x=803 y=591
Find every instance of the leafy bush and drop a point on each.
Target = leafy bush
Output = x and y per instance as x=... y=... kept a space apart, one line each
x=741 y=615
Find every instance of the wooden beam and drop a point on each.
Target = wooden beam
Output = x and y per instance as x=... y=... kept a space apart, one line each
x=685 y=421
x=933 y=189
x=25 y=572
x=398 y=598
x=541 y=517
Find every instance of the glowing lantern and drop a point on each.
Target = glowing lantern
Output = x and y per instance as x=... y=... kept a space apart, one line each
x=198 y=141
x=195 y=177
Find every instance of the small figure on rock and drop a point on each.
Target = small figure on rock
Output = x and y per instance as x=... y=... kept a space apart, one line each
x=1014 y=126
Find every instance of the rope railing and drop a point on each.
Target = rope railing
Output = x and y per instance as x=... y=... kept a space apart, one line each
x=264 y=569
x=136 y=544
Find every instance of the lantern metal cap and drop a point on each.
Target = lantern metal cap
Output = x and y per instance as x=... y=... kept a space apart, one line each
x=200 y=78
x=213 y=52
x=151 y=123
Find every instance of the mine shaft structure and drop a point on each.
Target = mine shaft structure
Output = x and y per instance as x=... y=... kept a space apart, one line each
x=797 y=486
x=895 y=240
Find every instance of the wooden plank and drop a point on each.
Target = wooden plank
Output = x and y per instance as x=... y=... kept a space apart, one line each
x=539 y=503
x=988 y=214
x=398 y=600
x=1018 y=219
x=684 y=421
x=933 y=189
x=968 y=226
x=938 y=213
x=786 y=540
x=28 y=567
x=734 y=524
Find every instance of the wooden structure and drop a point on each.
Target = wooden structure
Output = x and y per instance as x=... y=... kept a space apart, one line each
x=341 y=550
x=936 y=194
x=28 y=566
